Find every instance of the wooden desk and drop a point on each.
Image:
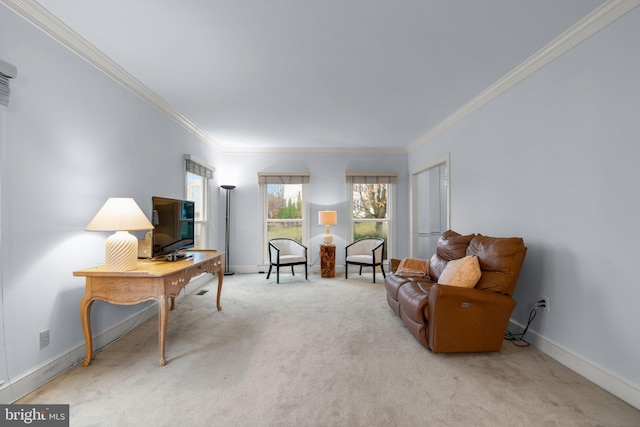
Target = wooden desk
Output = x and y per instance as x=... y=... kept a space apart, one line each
x=152 y=280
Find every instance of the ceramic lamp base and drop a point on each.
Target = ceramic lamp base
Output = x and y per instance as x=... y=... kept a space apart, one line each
x=121 y=252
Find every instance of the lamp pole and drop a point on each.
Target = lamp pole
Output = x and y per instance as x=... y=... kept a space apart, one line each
x=228 y=188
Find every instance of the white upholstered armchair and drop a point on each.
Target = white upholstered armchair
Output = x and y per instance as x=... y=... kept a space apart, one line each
x=366 y=252
x=285 y=252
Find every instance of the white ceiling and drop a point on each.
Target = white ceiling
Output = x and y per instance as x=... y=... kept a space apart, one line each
x=318 y=74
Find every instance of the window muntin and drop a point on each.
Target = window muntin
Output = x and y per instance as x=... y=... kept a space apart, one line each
x=196 y=192
x=369 y=211
x=284 y=207
x=284 y=211
x=197 y=176
x=370 y=207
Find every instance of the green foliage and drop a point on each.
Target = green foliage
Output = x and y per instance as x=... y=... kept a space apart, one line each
x=284 y=201
x=292 y=209
x=292 y=231
x=371 y=229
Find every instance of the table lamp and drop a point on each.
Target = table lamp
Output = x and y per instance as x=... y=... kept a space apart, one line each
x=328 y=218
x=121 y=248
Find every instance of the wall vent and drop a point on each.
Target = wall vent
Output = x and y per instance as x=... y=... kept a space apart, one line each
x=7 y=71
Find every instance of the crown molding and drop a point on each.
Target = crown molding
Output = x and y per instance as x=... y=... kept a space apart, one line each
x=589 y=25
x=313 y=150
x=48 y=23
x=51 y=25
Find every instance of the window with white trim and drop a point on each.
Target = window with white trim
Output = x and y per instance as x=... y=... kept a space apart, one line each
x=370 y=207
x=197 y=176
x=284 y=207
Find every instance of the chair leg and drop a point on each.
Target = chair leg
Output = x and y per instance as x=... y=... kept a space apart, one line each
x=305 y=272
x=384 y=276
x=360 y=270
x=346 y=271
x=269 y=272
x=374 y=273
x=292 y=272
x=277 y=274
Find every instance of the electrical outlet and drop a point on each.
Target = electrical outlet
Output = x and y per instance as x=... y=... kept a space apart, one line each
x=44 y=338
x=547 y=307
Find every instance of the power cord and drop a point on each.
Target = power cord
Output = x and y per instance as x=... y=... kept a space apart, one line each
x=519 y=340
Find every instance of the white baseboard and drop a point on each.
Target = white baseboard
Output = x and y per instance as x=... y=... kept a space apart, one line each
x=29 y=381
x=600 y=376
x=252 y=269
x=313 y=269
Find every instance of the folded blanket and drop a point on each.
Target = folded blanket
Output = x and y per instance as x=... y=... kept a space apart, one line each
x=412 y=267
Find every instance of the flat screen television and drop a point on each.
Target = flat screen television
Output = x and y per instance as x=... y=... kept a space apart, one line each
x=173 y=225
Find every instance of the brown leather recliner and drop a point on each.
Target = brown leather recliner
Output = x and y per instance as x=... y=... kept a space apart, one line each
x=449 y=319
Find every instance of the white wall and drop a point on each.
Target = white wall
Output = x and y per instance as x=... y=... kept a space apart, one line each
x=327 y=191
x=71 y=138
x=555 y=160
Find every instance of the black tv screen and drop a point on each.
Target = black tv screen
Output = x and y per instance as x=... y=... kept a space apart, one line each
x=173 y=225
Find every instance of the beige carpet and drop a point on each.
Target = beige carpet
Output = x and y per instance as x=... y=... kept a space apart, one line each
x=323 y=352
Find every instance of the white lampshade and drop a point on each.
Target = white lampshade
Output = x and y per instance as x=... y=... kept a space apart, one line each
x=328 y=218
x=120 y=215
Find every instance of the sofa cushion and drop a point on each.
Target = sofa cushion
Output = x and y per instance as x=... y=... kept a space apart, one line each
x=291 y=259
x=500 y=261
x=361 y=259
x=464 y=272
x=413 y=297
x=392 y=283
x=451 y=246
x=413 y=267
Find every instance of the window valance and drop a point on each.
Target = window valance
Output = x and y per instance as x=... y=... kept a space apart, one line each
x=371 y=178
x=198 y=167
x=284 y=177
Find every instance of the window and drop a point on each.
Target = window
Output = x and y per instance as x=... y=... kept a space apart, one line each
x=197 y=190
x=284 y=206
x=370 y=201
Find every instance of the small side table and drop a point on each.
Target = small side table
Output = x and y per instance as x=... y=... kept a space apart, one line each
x=328 y=260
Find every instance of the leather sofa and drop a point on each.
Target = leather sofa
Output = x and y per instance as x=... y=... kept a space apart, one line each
x=448 y=319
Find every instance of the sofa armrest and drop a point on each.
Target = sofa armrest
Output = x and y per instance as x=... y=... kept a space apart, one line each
x=393 y=264
x=465 y=320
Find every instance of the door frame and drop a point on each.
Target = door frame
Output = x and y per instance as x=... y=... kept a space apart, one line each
x=413 y=198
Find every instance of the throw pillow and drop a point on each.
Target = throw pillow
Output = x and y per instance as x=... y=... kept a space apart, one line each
x=412 y=267
x=464 y=272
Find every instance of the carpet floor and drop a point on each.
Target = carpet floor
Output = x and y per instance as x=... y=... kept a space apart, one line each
x=322 y=352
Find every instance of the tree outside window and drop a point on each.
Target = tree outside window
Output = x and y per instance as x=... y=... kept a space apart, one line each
x=369 y=211
x=284 y=207
x=370 y=198
x=284 y=211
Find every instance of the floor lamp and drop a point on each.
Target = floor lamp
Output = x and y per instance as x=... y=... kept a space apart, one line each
x=228 y=188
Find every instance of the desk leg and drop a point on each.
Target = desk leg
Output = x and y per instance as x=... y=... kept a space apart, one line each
x=163 y=315
x=220 y=276
x=85 y=317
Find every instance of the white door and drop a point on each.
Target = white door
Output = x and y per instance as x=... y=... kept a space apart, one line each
x=430 y=201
